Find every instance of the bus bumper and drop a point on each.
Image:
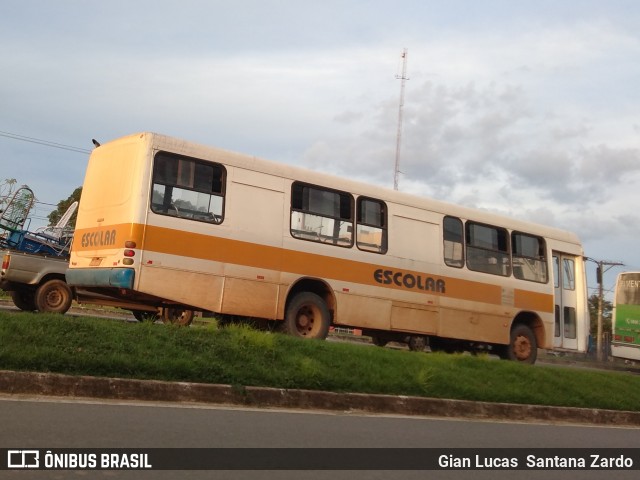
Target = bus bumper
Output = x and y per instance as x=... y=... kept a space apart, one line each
x=101 y=277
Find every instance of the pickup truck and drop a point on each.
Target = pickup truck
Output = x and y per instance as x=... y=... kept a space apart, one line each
x=36 y=282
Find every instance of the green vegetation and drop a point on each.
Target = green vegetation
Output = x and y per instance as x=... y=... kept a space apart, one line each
x=240 y=356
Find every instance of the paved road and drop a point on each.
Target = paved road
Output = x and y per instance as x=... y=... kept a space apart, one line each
x=51 y=423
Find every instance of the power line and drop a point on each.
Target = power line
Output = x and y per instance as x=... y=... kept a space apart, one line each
x=5 y=197
x=46 y=143
x=45 y=203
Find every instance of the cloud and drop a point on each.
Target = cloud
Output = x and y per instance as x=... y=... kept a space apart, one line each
x=528 y=111
x=486 y=146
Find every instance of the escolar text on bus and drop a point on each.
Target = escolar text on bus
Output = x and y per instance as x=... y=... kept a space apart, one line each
x=103 y=238
x=409 y=280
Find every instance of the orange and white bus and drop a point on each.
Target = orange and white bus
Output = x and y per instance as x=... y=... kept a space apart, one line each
x=164 y=223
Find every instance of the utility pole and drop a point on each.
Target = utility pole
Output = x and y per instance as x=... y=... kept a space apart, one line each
x=403 y=78
x=599 y=274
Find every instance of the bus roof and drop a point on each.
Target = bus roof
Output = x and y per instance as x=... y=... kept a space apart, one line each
x=291 y=172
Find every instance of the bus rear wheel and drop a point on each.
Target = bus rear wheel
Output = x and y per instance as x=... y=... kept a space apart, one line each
x=378 y=340
x=523 y=346
x=417 y=343
x=307 y=316
x=145 y=315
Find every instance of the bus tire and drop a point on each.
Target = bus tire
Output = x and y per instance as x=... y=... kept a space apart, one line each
x=523 y=346
x=177 y=316
x=307 y=316
x=24 y=299
x=145 y=315
x=53 y=296
x=378 y=340
x=444 y=345
x=417 y=343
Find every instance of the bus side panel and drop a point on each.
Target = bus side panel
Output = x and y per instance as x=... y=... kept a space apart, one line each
x=202 y=290
x=250 y=298
x=254 y=200
x=414 y=318
x=468 y=323
x=363 y=311
x=621 y=351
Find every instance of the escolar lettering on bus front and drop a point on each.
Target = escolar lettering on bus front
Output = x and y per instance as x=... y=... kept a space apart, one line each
x=409 y=280
x=101 y=238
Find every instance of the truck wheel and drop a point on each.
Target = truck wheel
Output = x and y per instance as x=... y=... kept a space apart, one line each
x=53 y=296
x=24 y=299
x=307 y=317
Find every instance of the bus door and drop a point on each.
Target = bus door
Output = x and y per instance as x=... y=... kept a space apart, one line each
x=565 y=293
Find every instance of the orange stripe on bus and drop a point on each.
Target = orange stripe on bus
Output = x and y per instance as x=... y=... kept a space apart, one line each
x=526 y=300
x=218 y=249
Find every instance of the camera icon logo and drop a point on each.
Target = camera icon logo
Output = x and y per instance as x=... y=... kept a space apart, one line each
x=23 y=459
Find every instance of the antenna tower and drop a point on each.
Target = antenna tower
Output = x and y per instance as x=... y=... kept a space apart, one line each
x=403 y=78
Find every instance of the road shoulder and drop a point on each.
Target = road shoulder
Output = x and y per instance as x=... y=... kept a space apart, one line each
x=58 y=385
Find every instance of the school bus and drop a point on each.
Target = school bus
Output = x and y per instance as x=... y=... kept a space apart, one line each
x=166 y=223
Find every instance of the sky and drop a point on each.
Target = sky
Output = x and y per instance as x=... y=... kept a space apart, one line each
x=529 y=109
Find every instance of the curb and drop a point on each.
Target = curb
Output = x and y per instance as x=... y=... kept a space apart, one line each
x=58 y=385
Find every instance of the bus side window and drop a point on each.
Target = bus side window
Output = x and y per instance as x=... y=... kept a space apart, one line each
x=371 y=234
x=529 y=257
x=188 y=188
x=321 y=215
x=488 y=249
x=568 y=274
x=453 y=242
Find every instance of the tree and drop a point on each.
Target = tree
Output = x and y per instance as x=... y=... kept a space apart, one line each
x=607 y=310
x=63 y=205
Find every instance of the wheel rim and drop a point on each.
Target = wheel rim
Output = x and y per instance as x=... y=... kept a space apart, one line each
x=522 y=347
x=54 y=298
x=178 y=316
x=417 y=344
x=306 y=319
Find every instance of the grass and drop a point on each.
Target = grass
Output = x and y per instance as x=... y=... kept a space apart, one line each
x=240 y=356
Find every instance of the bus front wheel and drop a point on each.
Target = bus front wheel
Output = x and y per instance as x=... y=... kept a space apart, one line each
x=177 y=316
x=523 y=346
x=307 y=316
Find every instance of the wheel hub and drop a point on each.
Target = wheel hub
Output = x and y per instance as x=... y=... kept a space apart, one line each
x=54 y=298
x=305 y=320
x=522 y=347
